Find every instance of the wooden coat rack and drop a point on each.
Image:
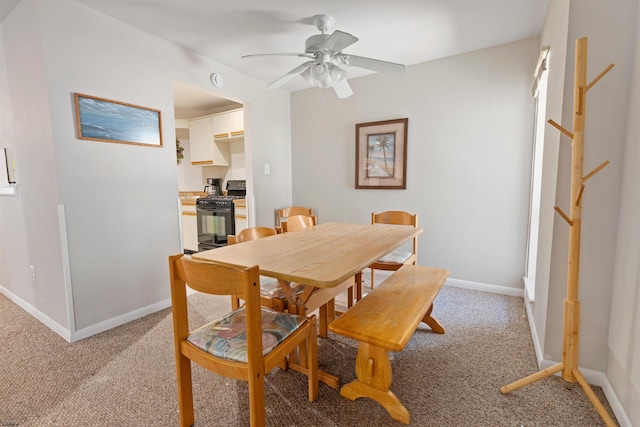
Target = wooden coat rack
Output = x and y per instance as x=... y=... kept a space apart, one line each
x=571 y=324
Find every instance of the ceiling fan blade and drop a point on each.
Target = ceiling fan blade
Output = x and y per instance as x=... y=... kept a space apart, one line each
x=304 y=55
x=374 y=64
x=342 y=89
x=338 y=41
x=290 y=75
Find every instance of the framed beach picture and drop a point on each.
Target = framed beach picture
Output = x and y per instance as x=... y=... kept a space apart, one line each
x=99 y=119
x=381 y=155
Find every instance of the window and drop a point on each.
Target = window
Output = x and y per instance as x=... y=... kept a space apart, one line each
x=539 y=92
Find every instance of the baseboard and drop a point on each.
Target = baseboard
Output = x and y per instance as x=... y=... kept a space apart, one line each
x=532 y=328
x=485 y=287
x=40 y=316
x=599 y=379
x=120 y=320
x=91 y=330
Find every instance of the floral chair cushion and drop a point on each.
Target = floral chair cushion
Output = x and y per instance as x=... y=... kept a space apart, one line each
x=397 y=257
x=227 y=338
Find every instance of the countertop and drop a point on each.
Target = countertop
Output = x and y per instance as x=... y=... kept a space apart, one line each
x=190 y=197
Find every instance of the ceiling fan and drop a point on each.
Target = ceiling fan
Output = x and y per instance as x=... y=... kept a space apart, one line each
x=327 y=62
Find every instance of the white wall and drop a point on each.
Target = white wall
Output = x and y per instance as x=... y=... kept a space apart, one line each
x=119 y=201
x=469 y=153
x=14 y=261
x=36 y=233
x=623 y=358
x=610 y=28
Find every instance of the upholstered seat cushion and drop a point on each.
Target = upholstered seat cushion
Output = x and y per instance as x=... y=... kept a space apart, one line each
x=397 y=257
x=226 y=337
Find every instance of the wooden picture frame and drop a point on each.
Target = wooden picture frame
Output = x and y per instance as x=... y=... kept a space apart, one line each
x=381 y=155
x=100 y=119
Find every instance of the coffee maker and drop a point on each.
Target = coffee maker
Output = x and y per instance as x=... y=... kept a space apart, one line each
x=213 y=187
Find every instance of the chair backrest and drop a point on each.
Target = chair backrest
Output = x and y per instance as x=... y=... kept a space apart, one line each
x=284 y=213
x=298 y=222
x=252 y=233
x=213 y=278
x=397 y=218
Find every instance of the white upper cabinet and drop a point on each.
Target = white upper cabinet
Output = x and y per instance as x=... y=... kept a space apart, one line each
x=229 y=124
x=205 y=151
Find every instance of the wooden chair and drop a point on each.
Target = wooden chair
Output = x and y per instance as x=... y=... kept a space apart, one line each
x=283 y=214
x=298 y=222
x=271 y=296
x=252 y=356
x=396 y=259
x=251 y=233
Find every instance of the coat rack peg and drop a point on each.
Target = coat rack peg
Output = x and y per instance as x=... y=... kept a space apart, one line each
x=563 y=215
x=560 y=128
x=599 y=76
x=595 y=171
x=579 y=197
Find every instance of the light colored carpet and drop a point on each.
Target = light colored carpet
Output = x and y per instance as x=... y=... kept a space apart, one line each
x=126 y=377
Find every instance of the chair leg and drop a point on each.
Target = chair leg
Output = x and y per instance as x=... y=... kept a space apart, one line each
x=257 y=409
x=185 y=391
x=312 y=361
x=373 y=278
x=235 y=302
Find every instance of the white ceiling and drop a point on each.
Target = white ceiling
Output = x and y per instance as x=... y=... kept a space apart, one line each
x=403 y=31
x=6 y=6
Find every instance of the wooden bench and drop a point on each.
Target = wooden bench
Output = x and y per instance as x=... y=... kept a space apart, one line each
x=385 y=320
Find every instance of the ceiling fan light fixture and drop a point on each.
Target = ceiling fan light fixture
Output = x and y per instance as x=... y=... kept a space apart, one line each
x=336 y=73
x=326 y=63
x=319 y=71
x=309 y=78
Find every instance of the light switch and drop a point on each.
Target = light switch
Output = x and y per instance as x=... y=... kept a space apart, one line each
x=267 y=169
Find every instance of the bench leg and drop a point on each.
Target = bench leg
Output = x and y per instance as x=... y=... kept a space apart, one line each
x=373 y=370
x=433 y=323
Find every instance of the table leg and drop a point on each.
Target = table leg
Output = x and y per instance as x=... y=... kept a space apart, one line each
x=373 y=370
x=298 y=362
x=358 y=286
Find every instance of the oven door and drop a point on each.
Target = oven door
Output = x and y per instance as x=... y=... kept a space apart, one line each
x=214 y=225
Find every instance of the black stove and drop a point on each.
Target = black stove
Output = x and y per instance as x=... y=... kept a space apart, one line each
x=216 y=217
x=211 y=202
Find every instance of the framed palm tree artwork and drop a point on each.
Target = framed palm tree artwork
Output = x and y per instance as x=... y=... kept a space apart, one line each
x=381 y=155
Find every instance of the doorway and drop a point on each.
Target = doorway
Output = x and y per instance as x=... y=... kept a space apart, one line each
x=192 y=106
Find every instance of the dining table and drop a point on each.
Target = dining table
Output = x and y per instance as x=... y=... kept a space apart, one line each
x=321 y=258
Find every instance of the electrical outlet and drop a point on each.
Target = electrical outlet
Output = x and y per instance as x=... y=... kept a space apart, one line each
x=267 y=169
x=33 y=272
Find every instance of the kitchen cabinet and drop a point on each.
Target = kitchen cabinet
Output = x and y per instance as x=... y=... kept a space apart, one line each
x=189 y=225
x=240 y=208
x=205 y=151
x=229 y=124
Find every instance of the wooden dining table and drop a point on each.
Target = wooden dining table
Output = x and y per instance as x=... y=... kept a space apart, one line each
x=325 y=257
